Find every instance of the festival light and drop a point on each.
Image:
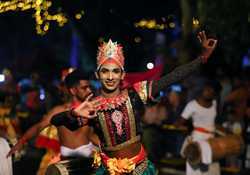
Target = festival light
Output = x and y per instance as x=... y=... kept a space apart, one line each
x=41 y=14
x=137 y=39
x=42 y=94
x=196 y=23
x=172 y=25
x=150 y=65
x=2 y=78
x=79 y=15
x=150 y=24
x=153 y=25
x=162 y=24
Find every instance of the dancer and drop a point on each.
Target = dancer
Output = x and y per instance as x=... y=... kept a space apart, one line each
x=117 y=120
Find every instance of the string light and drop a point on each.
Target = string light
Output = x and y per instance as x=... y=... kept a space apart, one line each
x=137 y=39
x=172 y=25
x=196 y=23
x=79 y=15
x=41 y=14
x=165 y=24
x=150 y=24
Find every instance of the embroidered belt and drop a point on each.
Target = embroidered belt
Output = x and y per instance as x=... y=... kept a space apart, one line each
x=203 y=130
x=117 y=166
x=122 y=145
x=140 y=168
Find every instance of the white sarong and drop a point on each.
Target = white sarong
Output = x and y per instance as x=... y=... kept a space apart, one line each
x=5 y=163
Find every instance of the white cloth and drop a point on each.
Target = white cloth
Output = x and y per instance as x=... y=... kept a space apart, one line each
x=204 y=118
x=5 y=163
x=201 y=116
x=206 y=152
x=81 y=151
x=206 y=168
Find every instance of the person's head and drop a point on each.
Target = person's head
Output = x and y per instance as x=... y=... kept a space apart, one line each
x=208 y=93
x=175 y=95
x=78 y=84
x=208 y=89
x=110 y=66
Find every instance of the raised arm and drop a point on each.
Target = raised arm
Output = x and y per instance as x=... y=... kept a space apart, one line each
x=35 y=130
x=183 y=71
x=176 y=75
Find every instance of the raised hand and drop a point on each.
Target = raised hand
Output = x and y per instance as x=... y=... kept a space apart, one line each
x=87 y=109
x=208 y=45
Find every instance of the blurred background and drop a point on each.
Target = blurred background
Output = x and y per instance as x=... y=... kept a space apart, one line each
x=35 y=55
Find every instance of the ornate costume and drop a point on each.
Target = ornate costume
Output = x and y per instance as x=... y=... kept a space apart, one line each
x=118 y=126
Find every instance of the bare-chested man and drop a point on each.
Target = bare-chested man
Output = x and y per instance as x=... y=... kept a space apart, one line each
x=78 y=85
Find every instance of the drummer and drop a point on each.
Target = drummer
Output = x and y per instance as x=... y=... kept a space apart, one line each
x=203 y=111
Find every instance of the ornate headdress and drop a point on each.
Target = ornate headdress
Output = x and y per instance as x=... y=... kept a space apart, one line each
x=110 y=51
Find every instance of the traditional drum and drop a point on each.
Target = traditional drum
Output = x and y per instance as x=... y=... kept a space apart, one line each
x=221 y=147
x=75 y=166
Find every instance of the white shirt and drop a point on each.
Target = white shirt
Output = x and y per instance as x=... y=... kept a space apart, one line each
x=202 y=117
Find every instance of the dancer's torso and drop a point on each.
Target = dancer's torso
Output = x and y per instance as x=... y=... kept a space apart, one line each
x=118 y=125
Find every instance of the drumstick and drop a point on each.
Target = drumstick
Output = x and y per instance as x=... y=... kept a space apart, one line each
x=220 y=133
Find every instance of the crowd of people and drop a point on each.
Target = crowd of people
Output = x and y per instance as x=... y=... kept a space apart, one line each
x=124 y=130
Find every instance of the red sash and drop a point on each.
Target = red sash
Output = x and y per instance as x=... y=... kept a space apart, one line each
x=203 y=130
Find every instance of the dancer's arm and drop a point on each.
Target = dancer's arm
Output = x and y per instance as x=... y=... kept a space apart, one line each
x=183 y=71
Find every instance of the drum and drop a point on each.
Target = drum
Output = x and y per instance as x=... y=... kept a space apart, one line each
x=221 y=147
x=76 y=166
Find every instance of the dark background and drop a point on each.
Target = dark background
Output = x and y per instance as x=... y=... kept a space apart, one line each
x=24 y=51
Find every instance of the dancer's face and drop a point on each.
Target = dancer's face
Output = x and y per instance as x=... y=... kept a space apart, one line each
x=110 y=75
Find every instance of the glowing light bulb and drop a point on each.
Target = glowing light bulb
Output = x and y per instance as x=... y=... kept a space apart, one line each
x=2 y=77
x=150 y=65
